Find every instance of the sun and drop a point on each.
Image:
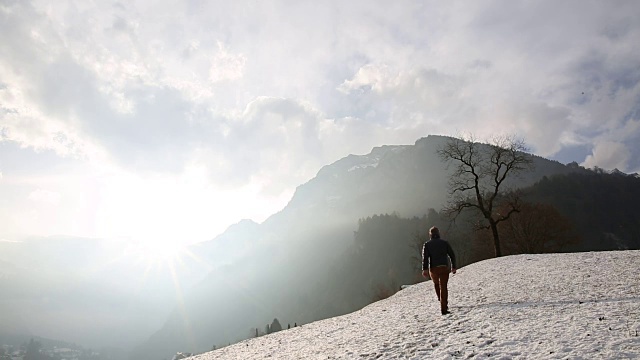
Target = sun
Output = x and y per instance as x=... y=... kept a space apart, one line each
x=160 y=255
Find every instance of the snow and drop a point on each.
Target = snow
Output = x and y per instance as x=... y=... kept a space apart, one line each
x=551 y=306
x=366 y=161
x=363 y=166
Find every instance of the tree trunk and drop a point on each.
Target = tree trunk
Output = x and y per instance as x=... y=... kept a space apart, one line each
x=496 y=238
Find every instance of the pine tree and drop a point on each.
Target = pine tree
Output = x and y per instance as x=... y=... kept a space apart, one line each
x=275 y=326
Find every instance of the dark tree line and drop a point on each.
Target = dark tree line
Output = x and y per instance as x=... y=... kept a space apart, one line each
x=275 y=326
x=602 y=206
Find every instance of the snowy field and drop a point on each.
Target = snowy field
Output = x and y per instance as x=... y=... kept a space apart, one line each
x=552 y=306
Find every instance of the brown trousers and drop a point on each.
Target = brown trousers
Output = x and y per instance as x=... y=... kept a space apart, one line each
x=440 y=277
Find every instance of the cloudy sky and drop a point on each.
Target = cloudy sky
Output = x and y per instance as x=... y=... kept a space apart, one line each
x=170 y=120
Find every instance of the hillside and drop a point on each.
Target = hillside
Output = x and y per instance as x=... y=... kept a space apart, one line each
x=580 y=305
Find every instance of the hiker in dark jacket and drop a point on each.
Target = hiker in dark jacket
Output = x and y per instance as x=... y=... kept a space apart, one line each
x=435 y=262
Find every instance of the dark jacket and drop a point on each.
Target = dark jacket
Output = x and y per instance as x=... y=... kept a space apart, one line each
x=434 y=253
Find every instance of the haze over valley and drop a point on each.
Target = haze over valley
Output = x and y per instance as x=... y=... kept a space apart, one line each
x=182 y=175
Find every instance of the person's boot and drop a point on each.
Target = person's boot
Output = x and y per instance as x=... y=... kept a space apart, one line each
x=445 y=312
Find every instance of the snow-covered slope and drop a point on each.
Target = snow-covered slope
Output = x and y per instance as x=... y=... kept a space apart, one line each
x=552 y=306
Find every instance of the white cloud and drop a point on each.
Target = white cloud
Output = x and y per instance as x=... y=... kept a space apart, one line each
x=608 y=155
x=45 y=196
x=371 y=77
x=275 y=143
x=617 y=148
x=422 y=67
x=226 y=66
x=541 y=124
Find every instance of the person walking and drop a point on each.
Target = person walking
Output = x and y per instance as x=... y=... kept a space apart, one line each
x=436 y=254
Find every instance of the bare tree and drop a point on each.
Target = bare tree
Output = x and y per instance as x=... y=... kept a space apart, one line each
x=479 y=175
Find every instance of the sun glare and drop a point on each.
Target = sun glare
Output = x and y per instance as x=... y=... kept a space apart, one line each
x=160 y=254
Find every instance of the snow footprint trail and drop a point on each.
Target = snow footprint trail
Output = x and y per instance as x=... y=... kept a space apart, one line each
x=551 y=306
